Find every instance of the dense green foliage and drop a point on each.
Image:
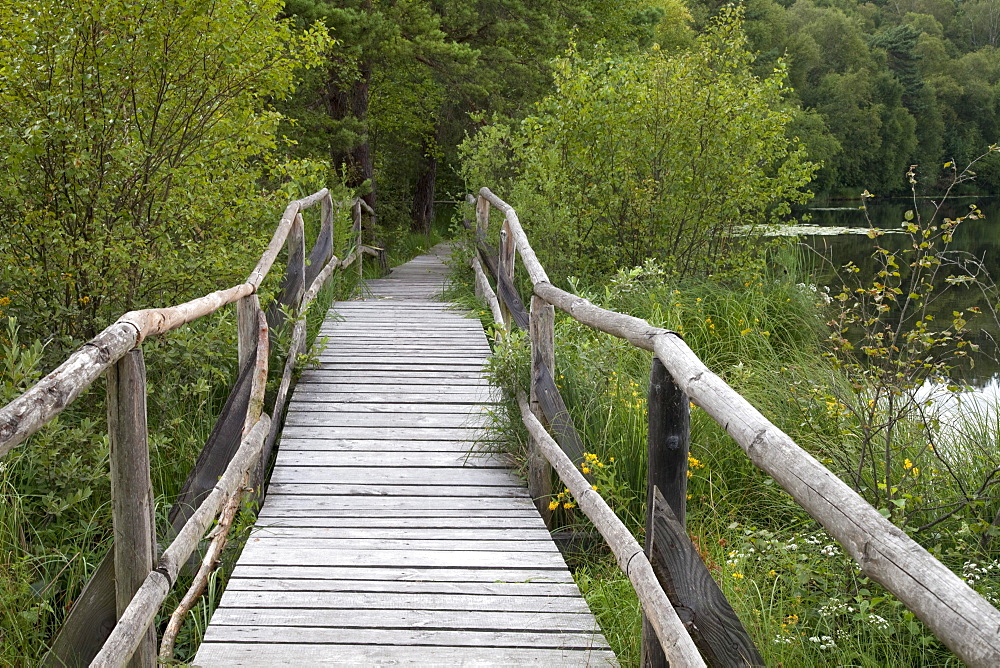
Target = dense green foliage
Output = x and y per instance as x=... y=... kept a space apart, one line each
x=409 y=80
x=674 y=155
x=132 y=134
x=884 y=85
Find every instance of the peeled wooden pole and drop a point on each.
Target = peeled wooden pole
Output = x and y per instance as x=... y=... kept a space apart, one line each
x=219 y=536
x=256 y=276
x=141 y=611
x=131 y=490
x=48 y=397
x=956 y=614
x=677 y=644
x=484 y=290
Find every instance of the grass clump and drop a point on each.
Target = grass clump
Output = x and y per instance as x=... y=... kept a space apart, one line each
x=801 y=598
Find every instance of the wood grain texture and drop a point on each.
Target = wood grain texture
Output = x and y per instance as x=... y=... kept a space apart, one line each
x=714 y=627
x=131 y=490
x=385 y=535
x=669 y=441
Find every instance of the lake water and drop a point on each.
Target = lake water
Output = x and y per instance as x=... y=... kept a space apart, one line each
x=838 y=237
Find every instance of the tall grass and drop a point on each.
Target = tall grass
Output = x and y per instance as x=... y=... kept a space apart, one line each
x=801 y=598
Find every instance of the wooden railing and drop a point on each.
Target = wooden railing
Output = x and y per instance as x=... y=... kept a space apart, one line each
x=663 y=572
x=141 y=581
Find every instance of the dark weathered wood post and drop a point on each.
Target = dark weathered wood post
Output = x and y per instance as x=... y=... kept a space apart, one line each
x=543 y=353
x=669 y=443
x=505 y=268
x=246 y=332
x=131 y=489
x=482 y=218
x=295 y=272
x=358 y=237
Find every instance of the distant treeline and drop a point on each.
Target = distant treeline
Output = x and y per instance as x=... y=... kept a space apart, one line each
x=884 y=85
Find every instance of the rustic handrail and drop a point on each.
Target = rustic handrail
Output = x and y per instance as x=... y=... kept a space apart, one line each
x=955 y=613
x=141 y=587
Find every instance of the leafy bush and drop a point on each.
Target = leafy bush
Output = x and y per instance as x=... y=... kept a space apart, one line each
x=134 y=134
x=665 y=155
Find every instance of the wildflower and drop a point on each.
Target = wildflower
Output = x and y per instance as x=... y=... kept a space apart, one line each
x=586 y=469
x=907 y=464
x=772 y=573
x=830 y=551
x=553 y=505
x=568 y=505
x=593 y=487
x=738 y=575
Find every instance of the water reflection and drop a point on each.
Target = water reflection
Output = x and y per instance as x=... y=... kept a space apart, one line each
x=836 y=234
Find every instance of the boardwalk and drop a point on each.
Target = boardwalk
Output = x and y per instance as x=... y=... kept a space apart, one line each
x=382 y=539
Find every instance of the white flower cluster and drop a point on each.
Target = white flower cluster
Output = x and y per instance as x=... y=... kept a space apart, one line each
x=878 y=622
x=825 y=642
x=783 y=640
x=830 y=550
x=973 y=572
x=835 y=607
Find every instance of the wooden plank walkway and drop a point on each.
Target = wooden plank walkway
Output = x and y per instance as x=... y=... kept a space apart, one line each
x=383 y=538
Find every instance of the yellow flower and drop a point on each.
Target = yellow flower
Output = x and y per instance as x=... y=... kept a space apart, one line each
x=568 y=505
x=772 y=573
x=907 y=464
x=553 y=505
x=738 y=576
x=593 y=487
x=586 y=469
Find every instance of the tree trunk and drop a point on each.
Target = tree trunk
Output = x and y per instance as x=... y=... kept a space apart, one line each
x=423 y=198
x=350 y=100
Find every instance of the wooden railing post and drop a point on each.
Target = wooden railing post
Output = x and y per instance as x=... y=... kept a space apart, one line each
x=246 y=329
x=357 y=229
x=505 y=267
x=296 y=269
x=131 y=489
x=543 y=352
x=482 y=218
x=669 y=443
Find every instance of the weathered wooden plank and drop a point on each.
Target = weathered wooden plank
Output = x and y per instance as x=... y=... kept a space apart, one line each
x=389 y=503
x=270 y=554
x=368 y=408
x=291 y=506
x=512 y=523
x=384 y=381
x=336 y=396
x=716 y=629
x=407 y=637
x=328 y=600
x=323 y=418
x=410 y=445
x=513 y=547
x=391 y=574
x=382 y=433
x=390 y=491
x=375 y=458
x=400 y=532
x=357 y=655
x=394 y=476
x=376 y=386
x=131 y=490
